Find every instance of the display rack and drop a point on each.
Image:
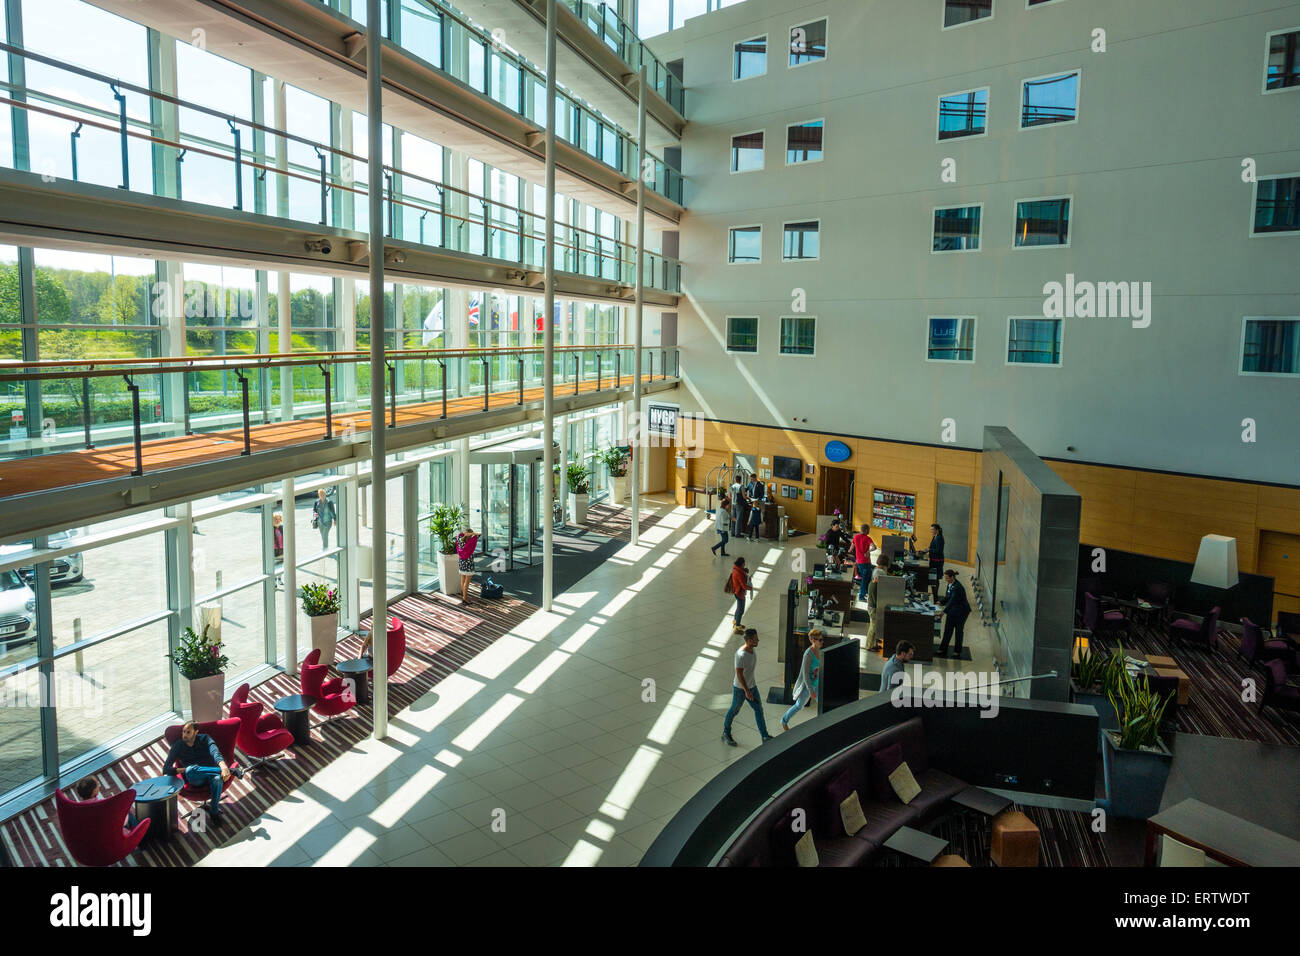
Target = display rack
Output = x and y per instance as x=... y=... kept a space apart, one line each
x=893 y=510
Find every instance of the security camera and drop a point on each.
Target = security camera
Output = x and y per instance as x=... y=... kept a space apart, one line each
x=318 y=245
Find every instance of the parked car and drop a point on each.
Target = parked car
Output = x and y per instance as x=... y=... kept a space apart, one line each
x=68 y=569
x=17 y=610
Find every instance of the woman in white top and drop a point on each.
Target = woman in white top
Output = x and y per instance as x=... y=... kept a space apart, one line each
x=722 y=524
x=805 y=685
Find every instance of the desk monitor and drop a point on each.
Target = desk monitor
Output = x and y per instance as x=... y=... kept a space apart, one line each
x=839 y=678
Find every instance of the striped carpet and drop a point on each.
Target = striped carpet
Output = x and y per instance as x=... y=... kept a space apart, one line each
x=1066 y=838
x=441 y=636
x=1214 y=706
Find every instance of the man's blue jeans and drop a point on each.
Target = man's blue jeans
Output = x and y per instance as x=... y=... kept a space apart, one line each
x=864 y=571
x=211 y=776
x=737 y=698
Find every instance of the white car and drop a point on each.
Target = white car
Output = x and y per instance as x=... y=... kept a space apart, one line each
x=17 y=610
x=68 y=569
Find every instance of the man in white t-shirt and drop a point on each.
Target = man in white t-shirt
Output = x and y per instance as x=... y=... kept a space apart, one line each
x=739 y=513
x=743 y=689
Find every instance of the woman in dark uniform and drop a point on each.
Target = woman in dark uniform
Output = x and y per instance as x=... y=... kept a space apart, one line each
x=956 y=608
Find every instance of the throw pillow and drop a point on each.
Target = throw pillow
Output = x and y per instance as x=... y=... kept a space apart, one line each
x=805 y=851
x=851 y=814
x=904 y=784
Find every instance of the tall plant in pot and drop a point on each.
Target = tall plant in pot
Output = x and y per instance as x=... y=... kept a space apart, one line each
x=1135 y=760
x=320 y=602
x=579 y=490
x=615 y=461
x=199 y=659
x=444 y=524
x=1093 y=678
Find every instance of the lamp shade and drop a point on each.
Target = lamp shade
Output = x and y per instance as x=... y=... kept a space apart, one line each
x=1216 y=562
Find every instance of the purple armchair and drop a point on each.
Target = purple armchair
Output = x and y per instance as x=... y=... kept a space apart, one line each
x=1256 y=649
x=1277 y=692
x=1204 y=632
x=94 y=830
x=1099 y=621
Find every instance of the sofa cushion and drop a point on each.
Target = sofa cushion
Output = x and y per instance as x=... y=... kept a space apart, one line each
x=884 y=762
x=843 y=851
x=904 y=783
x=837 y=791
x=782 y=836
x=937 y=789
x=884 y=819
x=805 y=850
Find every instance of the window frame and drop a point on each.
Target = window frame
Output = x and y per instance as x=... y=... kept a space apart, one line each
x=803 y=162
x=731 y=146
x=752 y=225
x=938 y=119
x=789 y=52
x=1060 y=343
x=800 y=355
x=816 y=258
x=726 y=341
x=1241 y=348
x=1015 y=217
x=1030 y=4
x=946 y=252
x=1268 y=41
x=974 y=340
x=943 y=15
x=767 y=48
x=1078 y=100
x=1254 y=204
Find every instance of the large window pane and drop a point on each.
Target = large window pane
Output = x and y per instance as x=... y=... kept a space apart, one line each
x=951 y=340
x=803 y=142
x=963 y=114
x=1050 y=99
x=956 y=12
x=745 y=244
x=1034 y=341
x=1277 y=205
x=956 y=229
x=808 y=43
x=749 y=58
x=747 y=152
x=1043 y=222
x=742 y=333
x=1271 y=347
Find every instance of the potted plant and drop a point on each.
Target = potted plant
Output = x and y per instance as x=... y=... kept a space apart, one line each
x=445 y=523
x=579 y=487
x=1134 y=758
x=1092 y=680
x=199 y=659
x=615 y=460
x=321 y=603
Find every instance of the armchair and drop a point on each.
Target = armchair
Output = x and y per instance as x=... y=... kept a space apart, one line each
x=1256 y=649
x=1204 y=631
x=330 y=697
x=261 y=736
x=94 y=830
x=1277 y=692
x=223 y=733
x=1099 y=621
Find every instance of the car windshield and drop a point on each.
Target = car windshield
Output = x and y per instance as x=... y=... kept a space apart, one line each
x=10 y=581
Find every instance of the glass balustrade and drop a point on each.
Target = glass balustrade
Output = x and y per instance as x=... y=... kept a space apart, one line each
x=605 y=22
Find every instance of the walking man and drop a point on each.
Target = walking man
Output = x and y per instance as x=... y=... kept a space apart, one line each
x=721 y=524
x=743 y=689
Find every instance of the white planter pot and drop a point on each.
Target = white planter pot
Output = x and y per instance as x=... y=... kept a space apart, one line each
x=207 y=694
x=621 y=486
x=449 y=574
x=578 y=508
x=324 y=634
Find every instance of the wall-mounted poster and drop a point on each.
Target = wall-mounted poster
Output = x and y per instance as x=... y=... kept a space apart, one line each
x=807 y=494
x=810 y=468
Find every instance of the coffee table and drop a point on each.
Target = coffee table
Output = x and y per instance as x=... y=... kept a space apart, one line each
x=295 y=708
x=357 y=669
x=155 y=800
x=981 y=801
x=917 y=845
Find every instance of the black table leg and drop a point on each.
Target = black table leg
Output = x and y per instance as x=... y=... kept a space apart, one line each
x=296 y=723
x=161 y=815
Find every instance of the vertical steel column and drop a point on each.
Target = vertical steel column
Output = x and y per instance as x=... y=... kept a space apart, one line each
x=548 y=325
x=378 y=443
x=638 y=454
x=287 y=499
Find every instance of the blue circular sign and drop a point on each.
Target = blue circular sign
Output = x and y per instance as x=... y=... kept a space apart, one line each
x=838 y=451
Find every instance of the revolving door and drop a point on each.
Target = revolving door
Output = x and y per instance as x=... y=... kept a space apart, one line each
x=509 y=502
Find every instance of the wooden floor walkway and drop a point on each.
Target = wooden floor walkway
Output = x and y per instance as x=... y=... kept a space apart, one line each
x=22 y=476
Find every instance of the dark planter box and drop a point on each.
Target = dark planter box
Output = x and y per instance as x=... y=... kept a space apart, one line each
x=1107 y=719
x=1135 y=779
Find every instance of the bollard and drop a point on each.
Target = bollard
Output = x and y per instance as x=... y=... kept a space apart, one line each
x=76 y=639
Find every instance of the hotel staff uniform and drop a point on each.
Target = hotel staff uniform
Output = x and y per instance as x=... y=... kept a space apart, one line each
x=936 y=561
x=957 y=609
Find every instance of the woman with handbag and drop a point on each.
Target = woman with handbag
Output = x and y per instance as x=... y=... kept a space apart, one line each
x=323 y=516
x=465 y=543
x=738 y=584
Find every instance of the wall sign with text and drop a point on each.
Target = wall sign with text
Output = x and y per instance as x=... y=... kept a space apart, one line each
x=662 y=419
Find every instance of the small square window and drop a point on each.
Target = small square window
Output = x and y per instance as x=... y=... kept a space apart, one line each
x=951 y=340
x=1282 y=71
x=798 y=335
x=747 y=152
x=742 y=333
x=956 y=229
x=1046 y=100
x=1270 y=347
x=745 y=244
x=1042 y=222
x=957 y=12
x=803 y=142
x=808 y=43
x=1034 y=341
x=1277 y=206
x=963 y=114
x=749 y=58
x=801 y=240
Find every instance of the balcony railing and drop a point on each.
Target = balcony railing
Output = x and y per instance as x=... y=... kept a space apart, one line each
x=622 y=39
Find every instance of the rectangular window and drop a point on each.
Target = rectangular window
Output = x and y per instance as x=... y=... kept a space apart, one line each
x=1043 y=222
x=957 y=229
x=749 y=58
x=798 y=335
x=808 y=43
x=1282 y=71
x=745 y=244
x=1046 y=100
x=1270 y=347
x=957 y=12
x=747 y=152
x=742 y=333
x=1034 y=341
x=951 y=340
x=963 y=114
x=801 y=240
x=1277 y=205
x=803 y=142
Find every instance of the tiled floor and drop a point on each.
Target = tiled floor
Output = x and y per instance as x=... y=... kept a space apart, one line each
x=571 y=741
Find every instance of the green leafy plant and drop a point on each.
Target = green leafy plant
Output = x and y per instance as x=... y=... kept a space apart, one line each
x=1140 y=710
x=579 y=478
x=319 y=600
x=1087 y=670
x=445 y=523
x=615 y=460
x=199 y=656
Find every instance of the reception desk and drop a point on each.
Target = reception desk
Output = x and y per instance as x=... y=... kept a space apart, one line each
x=902 y=623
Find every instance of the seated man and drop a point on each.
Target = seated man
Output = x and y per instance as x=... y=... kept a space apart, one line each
x=87 y=788
x=188 y=753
